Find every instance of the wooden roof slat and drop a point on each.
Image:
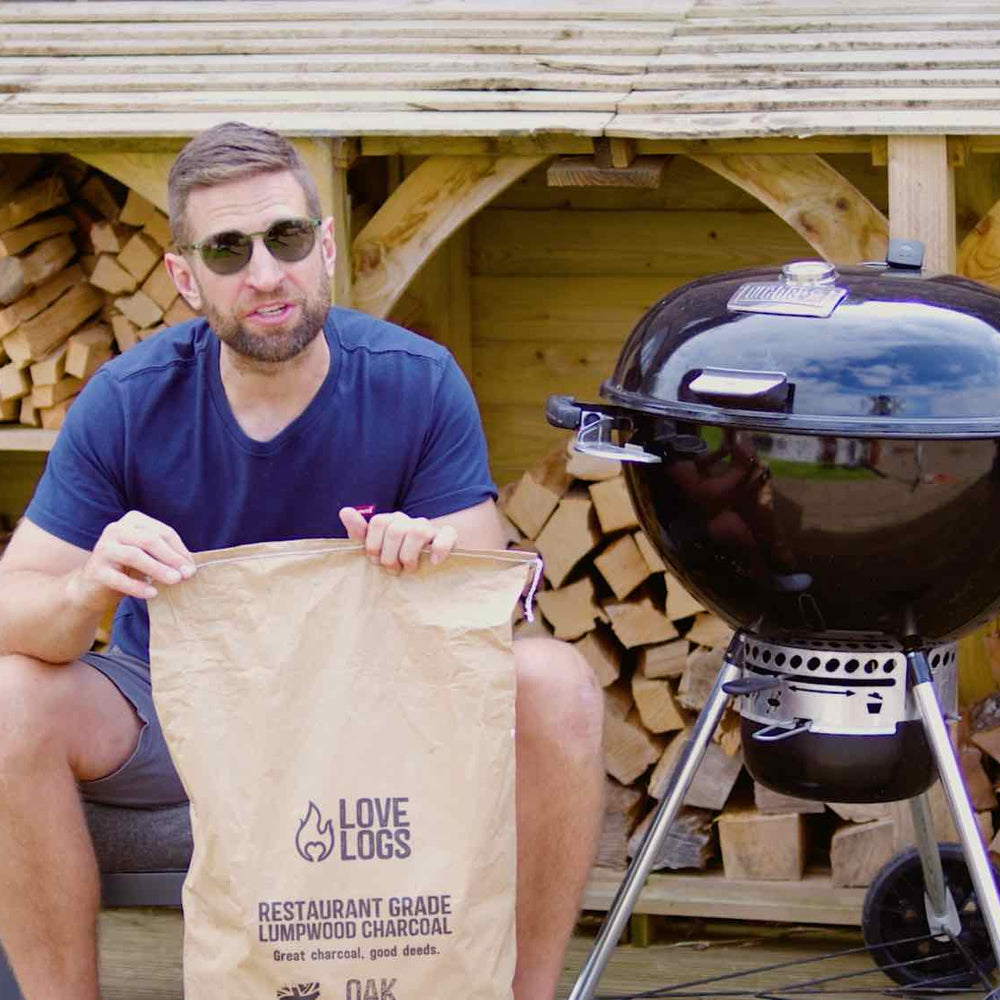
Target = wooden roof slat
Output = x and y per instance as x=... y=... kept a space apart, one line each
x=842 y=121
x=820 y=59
x=792 y=99
x=321 y=63
x=762 y=79
x=782 y=8
x=943 y=20
x=295 y=123
x=610 y=32
x=341 y=10
x=326 y=102
x=409 y=82
x=858 y=40
x=528 y=44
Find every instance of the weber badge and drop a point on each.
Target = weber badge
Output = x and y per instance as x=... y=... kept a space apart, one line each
x=806 y=288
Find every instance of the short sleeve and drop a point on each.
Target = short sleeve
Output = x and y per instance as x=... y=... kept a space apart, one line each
x=82 y=490
x=453 y=471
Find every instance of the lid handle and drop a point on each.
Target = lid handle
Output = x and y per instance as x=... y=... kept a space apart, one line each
x=741 y=389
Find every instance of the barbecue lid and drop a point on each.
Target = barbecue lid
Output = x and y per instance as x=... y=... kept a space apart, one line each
x=875 y=350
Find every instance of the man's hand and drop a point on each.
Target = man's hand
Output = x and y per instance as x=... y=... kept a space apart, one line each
x=132 y=554
x=396 y=540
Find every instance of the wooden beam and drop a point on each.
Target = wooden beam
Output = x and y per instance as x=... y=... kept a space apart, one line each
x=430 y=204
x=821 y=205
x=979 y=253
x=582 y=171
x=922 y=197
x=554 y=144
x=614 y=153
x=145 y=173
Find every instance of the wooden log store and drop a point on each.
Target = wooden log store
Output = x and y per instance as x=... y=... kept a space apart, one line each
x=520 y=181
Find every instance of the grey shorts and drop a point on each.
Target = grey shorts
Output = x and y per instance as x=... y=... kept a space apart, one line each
x=147 y=779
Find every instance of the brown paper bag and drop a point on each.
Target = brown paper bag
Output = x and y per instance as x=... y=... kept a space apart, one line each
x=346 y=739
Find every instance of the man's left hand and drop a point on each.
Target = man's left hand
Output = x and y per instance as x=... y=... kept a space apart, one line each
x=395 y=541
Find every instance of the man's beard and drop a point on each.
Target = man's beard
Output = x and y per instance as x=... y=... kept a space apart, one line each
x=277 y=344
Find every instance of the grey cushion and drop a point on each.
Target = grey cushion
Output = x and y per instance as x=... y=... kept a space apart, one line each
x=134 y=840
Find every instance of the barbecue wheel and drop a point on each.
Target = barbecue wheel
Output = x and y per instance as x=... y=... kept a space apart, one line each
x=894 y=912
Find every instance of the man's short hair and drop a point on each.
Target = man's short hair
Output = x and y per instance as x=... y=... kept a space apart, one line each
x=229 y=152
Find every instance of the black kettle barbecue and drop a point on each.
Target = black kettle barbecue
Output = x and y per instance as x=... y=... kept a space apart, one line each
x=815 y=452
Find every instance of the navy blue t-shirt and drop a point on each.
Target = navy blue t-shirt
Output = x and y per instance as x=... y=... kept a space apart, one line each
x=394 y=426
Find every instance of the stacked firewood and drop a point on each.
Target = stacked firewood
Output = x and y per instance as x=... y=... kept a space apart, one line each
x=81 y=278
x=656 y=652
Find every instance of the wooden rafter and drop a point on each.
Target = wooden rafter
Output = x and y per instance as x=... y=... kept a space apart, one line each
x=432 y=203
x=821 y=205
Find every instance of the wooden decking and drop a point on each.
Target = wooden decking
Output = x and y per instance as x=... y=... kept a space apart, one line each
x=141 y=957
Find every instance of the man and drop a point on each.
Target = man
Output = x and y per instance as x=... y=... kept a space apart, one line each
x=277 y=418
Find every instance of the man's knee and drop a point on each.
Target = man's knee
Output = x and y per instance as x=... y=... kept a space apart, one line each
x=558 y=694
x=34 y=700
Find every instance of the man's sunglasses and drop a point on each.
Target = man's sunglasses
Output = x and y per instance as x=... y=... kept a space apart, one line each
x=287 y=240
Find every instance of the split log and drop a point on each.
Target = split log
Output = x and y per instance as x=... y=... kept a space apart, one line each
x=50 y=369
x=13 y=241
x=20 y=274
x=27 y=202
x=710 y=631
x=667 y=659
x=622 y=566
x=629 y=749
x=613 y=505
x=688 y=843
x=700 y=671
x=621 y=807
x=125 y=332
x=110 y=276
x=680 y=604
x=639 y=623
x=572 y=610
x=98 y=192
x=859 y=851
x=33 y=303
x=139 y=256
x=569 y=535
x=760 y=847
x=657 y=706
x=55 y=323
x=603 y=654
x=770 y=802
x=136 y=211
x=160 y=287
x=87 y=350
x=140 y=309
x=109 y=237
x=649 y=553
x=158 y=230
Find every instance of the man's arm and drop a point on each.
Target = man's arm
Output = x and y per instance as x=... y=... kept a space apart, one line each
x=53 y=594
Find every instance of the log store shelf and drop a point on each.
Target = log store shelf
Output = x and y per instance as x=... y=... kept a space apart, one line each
x=811 y=900
x=518 y=181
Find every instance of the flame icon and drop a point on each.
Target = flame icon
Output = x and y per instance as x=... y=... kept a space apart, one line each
x=315 y=840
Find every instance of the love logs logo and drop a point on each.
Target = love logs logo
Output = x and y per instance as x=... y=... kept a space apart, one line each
x=370 y=829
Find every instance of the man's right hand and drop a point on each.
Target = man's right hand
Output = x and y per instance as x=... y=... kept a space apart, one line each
x=132 y=555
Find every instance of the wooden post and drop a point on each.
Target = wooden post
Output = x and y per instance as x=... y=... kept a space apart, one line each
x=330 y=174
x=922 y=197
